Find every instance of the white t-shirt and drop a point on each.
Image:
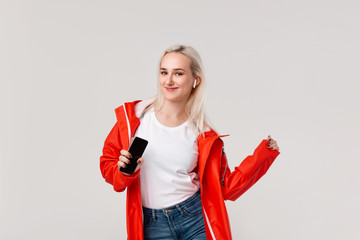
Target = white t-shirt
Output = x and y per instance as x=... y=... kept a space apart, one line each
x=169 y=173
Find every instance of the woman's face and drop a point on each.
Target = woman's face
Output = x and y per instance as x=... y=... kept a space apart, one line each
x=175 y=77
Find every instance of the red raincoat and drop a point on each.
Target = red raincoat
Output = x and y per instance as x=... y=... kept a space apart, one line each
x=217 y=182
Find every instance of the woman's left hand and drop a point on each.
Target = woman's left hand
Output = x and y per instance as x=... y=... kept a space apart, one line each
x=272 y=144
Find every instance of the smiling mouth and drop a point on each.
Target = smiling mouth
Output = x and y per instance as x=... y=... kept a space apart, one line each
x=171 y=89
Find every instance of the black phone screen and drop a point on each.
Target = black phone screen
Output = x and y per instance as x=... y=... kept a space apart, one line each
x=136 y=149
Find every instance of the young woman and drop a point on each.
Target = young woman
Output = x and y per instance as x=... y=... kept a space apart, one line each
x=179 y=186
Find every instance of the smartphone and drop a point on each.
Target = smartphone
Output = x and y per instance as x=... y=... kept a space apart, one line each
x=137 y=148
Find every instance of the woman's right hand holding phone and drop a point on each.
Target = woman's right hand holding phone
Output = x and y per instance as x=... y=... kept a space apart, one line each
x=124 y=160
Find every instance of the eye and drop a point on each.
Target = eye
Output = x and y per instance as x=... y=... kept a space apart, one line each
x=163 y=73
x=178 y=74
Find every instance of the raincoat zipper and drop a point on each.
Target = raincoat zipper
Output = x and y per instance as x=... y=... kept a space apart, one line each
x=223 y=177
x=128 y=124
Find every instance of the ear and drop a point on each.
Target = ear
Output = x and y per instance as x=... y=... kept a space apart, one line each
x=198 y=80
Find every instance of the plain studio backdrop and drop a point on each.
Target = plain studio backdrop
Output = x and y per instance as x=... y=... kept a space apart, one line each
x=285 y=68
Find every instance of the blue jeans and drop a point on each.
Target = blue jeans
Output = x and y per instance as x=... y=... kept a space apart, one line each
x=182 y=221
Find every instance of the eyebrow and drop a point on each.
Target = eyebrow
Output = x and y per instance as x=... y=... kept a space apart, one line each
x=174 y=69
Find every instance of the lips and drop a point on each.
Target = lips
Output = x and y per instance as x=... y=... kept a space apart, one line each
x=171 y=89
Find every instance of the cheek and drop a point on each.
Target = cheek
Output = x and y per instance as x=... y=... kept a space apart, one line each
x=187 y=83
x=161 y=80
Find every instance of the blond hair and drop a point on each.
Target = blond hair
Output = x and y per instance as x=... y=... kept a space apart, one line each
x=195 y=104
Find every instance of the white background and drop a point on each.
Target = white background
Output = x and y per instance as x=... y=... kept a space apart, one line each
x=285 y=68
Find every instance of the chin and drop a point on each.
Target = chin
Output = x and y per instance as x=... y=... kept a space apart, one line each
x=172 y=98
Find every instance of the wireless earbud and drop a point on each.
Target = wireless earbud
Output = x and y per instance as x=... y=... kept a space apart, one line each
x=194 y=84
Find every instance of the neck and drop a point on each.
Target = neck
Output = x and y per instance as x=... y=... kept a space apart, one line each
x=172 y=113
x=174 y=109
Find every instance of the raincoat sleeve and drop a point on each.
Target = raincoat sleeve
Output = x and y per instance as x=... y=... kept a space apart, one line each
x=108 y=162
x=251 y=169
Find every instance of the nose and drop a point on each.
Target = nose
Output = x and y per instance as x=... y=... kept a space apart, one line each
x=169 y=80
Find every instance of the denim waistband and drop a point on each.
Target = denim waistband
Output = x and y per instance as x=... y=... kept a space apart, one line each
x=190 y=201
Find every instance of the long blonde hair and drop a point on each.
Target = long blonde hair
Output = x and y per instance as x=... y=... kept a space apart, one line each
x=195 y=105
